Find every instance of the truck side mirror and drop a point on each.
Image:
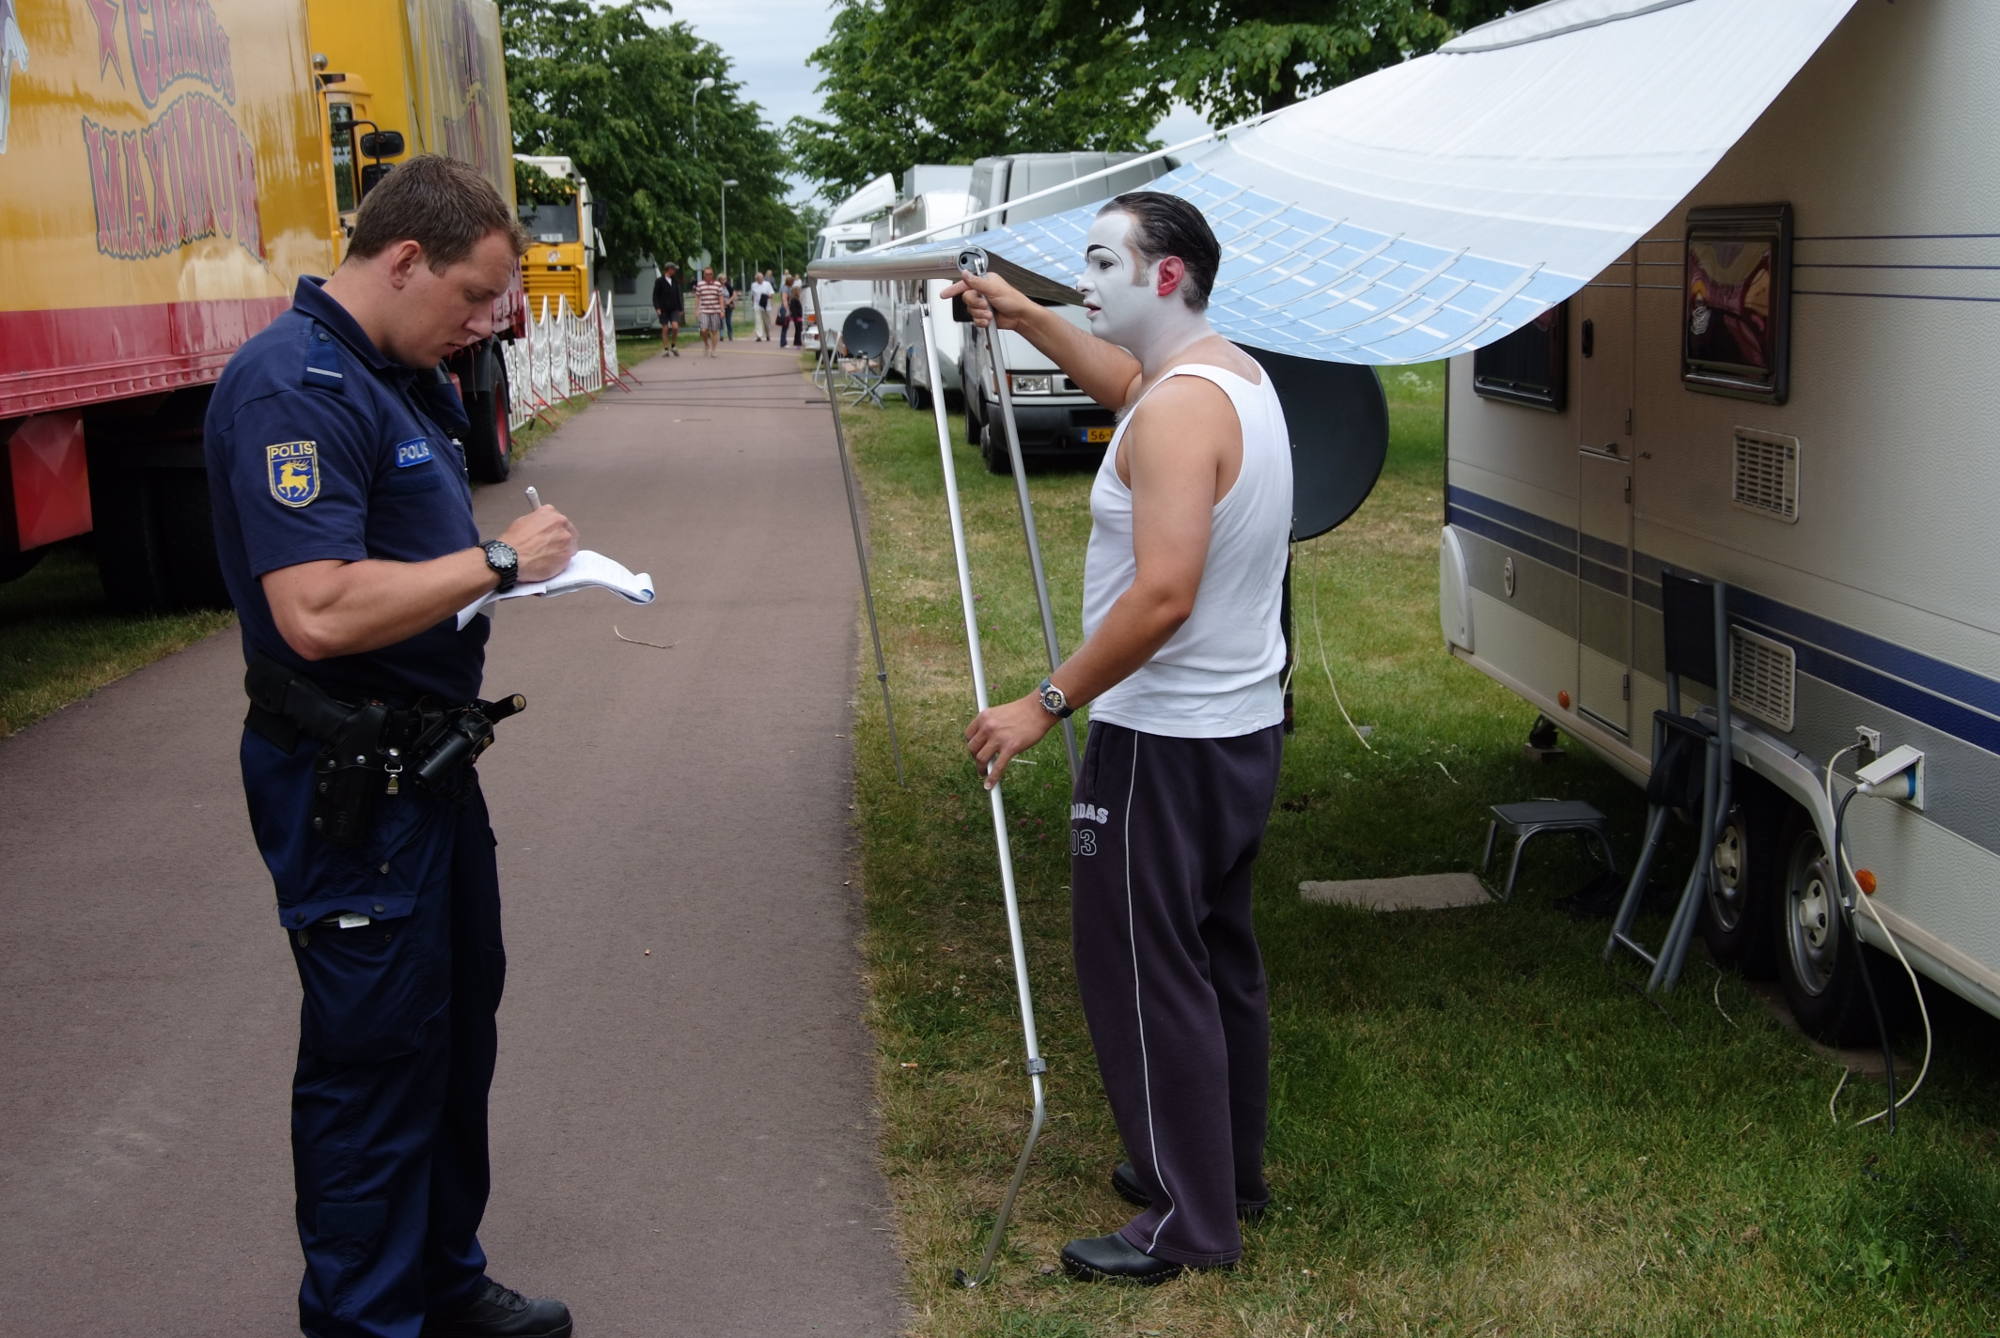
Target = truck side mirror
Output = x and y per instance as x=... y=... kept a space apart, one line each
x=372 y=174
x=382 y=144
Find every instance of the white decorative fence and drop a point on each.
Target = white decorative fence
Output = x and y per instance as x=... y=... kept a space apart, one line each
x=563 y=354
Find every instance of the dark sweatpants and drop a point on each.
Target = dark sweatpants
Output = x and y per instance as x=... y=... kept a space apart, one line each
x=397 y=1043
x=1163 y=832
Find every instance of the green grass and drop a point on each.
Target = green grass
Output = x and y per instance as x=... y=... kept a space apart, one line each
x=1477 y=1127
x=60 y=641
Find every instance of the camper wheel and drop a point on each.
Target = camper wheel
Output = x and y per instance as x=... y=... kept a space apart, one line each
x=1736 y=913
x=914 y=395
x=1819 y=961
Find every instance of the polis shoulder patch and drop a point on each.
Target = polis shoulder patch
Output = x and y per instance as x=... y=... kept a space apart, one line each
x=293 y=470
x=415 y=451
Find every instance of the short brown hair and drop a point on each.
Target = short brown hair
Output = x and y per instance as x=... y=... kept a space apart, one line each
x=441 y=204
x=1166 y=225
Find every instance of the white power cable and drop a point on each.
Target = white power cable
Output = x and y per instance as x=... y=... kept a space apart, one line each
x=1846 y=867
x=1326 y=668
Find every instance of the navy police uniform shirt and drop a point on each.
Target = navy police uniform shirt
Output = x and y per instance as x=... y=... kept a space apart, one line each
x=320 y=447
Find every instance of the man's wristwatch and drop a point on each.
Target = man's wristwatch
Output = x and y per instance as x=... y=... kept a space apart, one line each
x=1053 y=700
x=502 y=561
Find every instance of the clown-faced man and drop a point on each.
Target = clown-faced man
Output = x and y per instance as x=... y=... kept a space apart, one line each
x=1180 y=667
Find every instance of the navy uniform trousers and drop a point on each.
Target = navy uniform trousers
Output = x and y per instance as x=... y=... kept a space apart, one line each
x=1163 y=834
x=397 y=1043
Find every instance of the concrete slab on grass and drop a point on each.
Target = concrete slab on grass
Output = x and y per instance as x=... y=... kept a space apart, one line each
x=1418 y=892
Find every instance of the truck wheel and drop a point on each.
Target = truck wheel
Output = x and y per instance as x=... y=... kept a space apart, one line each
x=994 y=451
x=155 y=540
x=916 y=396
x=1819 y=962
x=13 y=566
x=489 y=441
x=1736 y=913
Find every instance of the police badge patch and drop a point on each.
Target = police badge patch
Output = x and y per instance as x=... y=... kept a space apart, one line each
x=293 y=468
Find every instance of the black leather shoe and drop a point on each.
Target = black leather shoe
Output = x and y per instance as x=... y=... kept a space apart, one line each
x=502 y=1312
x=1114 y=1259
x=1125 y=1180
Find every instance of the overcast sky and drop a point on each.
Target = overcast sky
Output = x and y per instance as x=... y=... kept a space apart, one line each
x=769 y=42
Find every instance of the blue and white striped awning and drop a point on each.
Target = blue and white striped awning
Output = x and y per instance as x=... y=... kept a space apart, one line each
x=1433 y=207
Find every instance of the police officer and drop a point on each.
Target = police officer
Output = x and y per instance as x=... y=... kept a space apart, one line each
x=345 y=528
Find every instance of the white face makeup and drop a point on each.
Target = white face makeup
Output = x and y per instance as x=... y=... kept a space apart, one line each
x=1117 y=287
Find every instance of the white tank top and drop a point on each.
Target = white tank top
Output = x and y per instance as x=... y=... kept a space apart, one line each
x=1217 y=677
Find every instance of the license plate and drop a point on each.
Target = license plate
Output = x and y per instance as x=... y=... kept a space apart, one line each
x=1096 y=436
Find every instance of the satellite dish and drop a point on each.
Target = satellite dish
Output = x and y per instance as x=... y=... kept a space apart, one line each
x=1339 y=422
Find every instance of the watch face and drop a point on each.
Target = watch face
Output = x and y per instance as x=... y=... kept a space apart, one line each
x=501 y=557
x=1053 y=699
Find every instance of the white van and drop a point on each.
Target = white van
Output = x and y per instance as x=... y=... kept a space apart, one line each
x=1787 y=388
x=933 y=195
x=1055 y=419
x=848 y=229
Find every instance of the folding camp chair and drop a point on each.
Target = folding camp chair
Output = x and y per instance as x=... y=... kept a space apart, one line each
x=1691 y=766
x=865 y=333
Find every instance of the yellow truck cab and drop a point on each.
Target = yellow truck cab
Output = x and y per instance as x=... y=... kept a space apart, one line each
x=561 y=222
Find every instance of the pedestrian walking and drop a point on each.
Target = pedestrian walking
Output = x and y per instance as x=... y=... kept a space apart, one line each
x=729 y=308
x=667 y=303
x=760 y=302
x=709 y=297
x=346 y=537
x=1180 y=665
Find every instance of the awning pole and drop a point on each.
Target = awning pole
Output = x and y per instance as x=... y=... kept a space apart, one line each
x=861 y=555
x=1036 y=1067
x=975 y=263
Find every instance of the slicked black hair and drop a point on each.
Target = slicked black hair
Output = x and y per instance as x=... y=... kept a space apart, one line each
x=1166 y=225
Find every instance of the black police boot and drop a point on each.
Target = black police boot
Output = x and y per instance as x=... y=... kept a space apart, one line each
x=1113 y=1259
x=502 y=1312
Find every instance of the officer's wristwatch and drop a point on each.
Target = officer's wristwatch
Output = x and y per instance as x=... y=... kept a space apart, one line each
x=502 y=561
x=1053 y=700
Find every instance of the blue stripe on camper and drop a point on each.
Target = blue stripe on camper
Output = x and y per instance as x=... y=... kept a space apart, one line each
x=1943 y=695
x=1561 y=559
x=1527 y=522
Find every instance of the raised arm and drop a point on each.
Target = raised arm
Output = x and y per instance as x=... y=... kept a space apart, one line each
x=1103 y=371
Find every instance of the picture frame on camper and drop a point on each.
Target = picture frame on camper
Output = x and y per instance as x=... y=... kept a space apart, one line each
x=1737 y=302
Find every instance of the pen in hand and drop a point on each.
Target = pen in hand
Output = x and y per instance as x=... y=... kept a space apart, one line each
x=534 y=499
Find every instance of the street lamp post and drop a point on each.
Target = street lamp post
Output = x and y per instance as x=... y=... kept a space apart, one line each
x=694 y=101
x=725 y=226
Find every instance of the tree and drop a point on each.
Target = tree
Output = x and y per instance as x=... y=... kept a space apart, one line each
x=911 y=81
x=615 y=92
x=939 y=81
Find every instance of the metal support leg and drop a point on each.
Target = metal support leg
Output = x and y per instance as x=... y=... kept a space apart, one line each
x=1035 y=1066
x=861 y=557
x=1013 y=435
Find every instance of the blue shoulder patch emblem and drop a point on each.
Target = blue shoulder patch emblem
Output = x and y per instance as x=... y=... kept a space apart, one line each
x=293 y=470
x=415 y=451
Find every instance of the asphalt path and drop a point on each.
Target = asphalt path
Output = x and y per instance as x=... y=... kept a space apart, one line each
x=683 y=1130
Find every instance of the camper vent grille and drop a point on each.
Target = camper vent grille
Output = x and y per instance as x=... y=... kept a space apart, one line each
x=1761 y=677
x=1767 y=474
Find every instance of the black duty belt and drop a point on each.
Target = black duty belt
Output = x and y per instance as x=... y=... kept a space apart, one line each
x=366 y=747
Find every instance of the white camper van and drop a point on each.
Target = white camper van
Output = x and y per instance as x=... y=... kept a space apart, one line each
x=933 y=195
x=847 y=230
x=1787 y=388
x=1055 y=419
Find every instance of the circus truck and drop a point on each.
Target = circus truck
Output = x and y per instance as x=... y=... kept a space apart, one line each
x=168 y=171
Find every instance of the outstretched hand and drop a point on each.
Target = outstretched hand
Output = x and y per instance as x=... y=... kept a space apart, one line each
x=991 y=300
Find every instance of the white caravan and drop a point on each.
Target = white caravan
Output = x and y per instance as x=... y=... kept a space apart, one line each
x=1054 y=418
x=1787 y=388
x=847 y=230
x=933 y=195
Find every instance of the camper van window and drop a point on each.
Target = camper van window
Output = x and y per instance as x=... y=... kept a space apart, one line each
x=1529 y=366
x=1737 y=305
